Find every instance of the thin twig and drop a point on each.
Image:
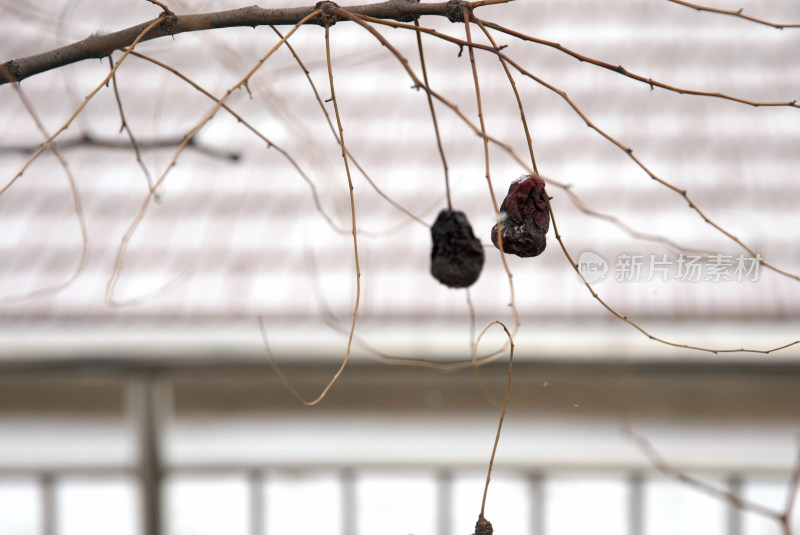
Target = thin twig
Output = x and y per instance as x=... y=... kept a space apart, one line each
x=91 y=140
x=342 y=366
x=112 y=281
x=270 y=144
x=433 y=118
x=738 y=13
x=162 y=6
x=70 y=76
x=472 y=321
x=516 y=95
x=663 y=466
x=419 y=84
x=617 y=222
x=333 y=322
x=635 y=325
x=629 y=151
x=683 y=192
x=274 y=365
x=77 y=207
x=193 y=144
x=353 y=223
x=792 y=493
x=581 y=205
x=580 y=57
x=633 y=76
x=125 y=126
x=639 y=163
x=484 y=136
x=505 y=407
x=363 y=172
x=479 y=3
x=587 y=121
x=83 y=104
x=466 y=14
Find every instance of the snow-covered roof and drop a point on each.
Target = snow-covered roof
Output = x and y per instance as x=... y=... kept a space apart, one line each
x=242 y=229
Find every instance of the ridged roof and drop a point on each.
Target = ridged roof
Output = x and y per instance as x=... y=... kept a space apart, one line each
x=236 y=238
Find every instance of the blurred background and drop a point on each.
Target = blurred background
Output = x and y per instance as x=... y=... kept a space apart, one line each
x=136 y=392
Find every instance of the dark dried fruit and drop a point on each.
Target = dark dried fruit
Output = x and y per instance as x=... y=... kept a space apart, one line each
x=483 y=527
x=457 y=255
x=524 y=218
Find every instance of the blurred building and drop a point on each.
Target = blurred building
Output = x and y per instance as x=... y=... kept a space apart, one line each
x=136 y=391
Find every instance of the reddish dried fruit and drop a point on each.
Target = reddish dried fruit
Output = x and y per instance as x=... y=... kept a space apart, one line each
x=483 y=527
x=457 y=255
x=524 y=218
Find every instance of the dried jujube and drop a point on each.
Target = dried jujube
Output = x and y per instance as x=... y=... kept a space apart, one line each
x=524 y=218
x=457 y=255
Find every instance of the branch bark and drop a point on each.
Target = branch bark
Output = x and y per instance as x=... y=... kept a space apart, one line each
x=98 y=46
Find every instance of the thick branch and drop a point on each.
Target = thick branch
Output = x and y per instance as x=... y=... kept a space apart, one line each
x=99 y=46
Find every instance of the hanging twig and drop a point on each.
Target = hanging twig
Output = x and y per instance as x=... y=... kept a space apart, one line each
x=77 y=208
x=354 y=227
x=483 y=526
x=663 y=466
x=125 y=126
x=433 y=118
x=112 y=281
x=49 y=140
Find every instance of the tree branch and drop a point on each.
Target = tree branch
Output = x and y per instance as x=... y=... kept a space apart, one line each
x=734 y=13
x=89 y=140
x=99 y=46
